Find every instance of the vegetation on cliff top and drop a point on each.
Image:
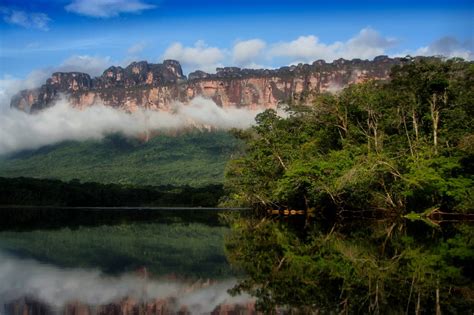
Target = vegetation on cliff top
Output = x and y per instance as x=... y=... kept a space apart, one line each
x=373 y=153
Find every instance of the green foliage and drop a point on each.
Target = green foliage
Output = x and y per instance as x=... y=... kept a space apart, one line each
x=387 y=150
x=391 y=147
x=192 y=158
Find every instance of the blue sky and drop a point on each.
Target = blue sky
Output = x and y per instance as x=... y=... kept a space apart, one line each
x=38 y=37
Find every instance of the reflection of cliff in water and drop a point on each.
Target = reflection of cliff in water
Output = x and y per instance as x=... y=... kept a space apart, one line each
x=30 y=287
x=125 y=306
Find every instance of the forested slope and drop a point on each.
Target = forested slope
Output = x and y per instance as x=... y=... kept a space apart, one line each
x=190 y=158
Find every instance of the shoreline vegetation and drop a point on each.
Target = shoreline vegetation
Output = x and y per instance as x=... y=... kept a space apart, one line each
x=23 y=191
x=380 y=169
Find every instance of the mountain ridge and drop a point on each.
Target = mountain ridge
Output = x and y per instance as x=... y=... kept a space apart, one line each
x=158 y=86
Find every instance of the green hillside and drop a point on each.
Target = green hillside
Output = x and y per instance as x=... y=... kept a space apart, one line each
x=193 y=158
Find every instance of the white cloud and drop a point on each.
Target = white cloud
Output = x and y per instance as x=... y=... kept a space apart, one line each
x=93 y=65
x=136 y=48
x=200 y=56
x=447 y=47
x=20 y=130
x=26 y=19
x=368 y=43
x=9 y=85
x=246 y=53
x=107 y=8
x=305 y=48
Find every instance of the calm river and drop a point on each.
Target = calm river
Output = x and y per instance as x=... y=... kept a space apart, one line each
x=115 y=261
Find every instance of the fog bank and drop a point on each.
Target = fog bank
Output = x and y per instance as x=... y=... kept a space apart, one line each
x=19 y=130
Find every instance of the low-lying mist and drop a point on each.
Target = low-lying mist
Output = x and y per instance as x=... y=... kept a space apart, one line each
x=20 y=130
x=56 y=287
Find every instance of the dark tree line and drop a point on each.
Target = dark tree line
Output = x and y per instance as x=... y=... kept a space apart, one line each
x=47 y=192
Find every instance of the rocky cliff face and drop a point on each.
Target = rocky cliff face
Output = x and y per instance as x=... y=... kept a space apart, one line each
x=157 y=86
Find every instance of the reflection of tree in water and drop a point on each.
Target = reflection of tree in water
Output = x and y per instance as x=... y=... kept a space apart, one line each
x=363 y=267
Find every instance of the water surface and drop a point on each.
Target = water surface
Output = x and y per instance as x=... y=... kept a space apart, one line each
x=98 y=256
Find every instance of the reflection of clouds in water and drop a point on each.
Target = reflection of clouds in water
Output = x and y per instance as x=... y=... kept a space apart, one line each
x=56 y=287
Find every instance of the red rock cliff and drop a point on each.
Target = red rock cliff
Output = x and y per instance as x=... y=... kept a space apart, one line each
x=157 y=86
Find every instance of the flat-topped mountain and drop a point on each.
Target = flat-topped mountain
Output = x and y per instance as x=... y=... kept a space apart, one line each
x=157 y=86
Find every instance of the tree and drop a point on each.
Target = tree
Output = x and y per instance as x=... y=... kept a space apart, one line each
x=375 y=151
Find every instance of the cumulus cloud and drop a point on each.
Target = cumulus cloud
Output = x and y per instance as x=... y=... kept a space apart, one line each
x=200 y=56
x=25 y=19
x=56 y=287
x=305 y=48
x=448 y=47
x=245 y=53
x=368 y=43
x=19 y=130
x=107 y=8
